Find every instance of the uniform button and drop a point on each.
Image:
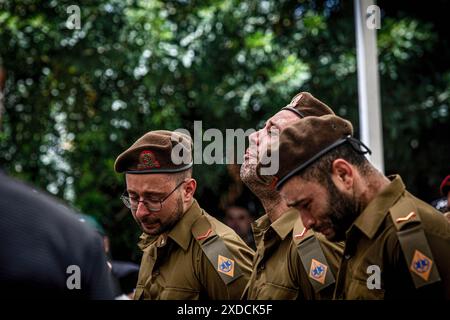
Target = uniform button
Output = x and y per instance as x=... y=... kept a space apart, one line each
x=261 y=267
x=156 y=273
x=347 y=257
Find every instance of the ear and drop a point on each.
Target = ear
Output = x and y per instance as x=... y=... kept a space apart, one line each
x=189 y=190
x=343 y=175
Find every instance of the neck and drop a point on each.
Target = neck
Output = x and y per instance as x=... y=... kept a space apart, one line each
x=374 y=184
x=274 y=207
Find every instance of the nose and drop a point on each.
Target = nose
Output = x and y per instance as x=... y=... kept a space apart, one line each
x=253 y=144
x=253 y=138
x=141 y=211
x=308 y=220
x=263 y=142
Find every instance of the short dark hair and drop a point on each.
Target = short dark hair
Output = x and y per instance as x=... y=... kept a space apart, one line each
x=320 y=170
x=180 y=176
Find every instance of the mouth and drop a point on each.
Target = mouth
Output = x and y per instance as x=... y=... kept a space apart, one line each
x=149 y=224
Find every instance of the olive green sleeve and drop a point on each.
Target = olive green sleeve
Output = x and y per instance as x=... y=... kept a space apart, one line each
x=214 y=285
x=333 y=252
x=243 y=254
x=299 y=276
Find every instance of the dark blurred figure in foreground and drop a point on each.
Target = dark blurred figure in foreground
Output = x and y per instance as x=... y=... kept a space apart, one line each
x=125 y=273
x=45 y=252
x=240 y=220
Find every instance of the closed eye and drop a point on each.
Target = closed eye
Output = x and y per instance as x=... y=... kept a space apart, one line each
x=132 y=195
x=300 y=205
x=306 y=206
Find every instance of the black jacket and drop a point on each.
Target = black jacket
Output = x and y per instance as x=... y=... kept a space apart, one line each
x=40 y=239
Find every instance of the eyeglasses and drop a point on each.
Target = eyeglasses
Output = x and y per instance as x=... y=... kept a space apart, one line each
x=153 y=205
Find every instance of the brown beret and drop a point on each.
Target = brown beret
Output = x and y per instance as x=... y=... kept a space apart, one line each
x=302 y=105
x=305 y=104
x=307 y=139
x=152 y=153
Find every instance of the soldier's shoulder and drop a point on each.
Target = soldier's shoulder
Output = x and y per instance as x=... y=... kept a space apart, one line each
x=300 y=233
x=436 y=223
x=218 y=243
x=207 y=226
x=422 y=232
x=410 y=211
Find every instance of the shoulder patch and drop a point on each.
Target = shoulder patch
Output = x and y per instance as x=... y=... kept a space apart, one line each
x=216 y=251
x=221 y=259
x=315 y=263
x=421 y=265
x=312 y=257
x=318 y=271
x=413 y=243
x=419 y=258
x=225 y=265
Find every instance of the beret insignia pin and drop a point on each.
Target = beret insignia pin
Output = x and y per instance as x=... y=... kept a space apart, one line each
x=147 y=160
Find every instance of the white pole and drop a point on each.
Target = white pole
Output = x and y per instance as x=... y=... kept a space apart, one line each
x=367 y=22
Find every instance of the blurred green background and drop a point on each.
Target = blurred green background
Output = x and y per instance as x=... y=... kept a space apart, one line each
x=74 y=99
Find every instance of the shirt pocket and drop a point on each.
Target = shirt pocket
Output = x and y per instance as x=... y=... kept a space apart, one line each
x=174 y=293
x=358 y=290
x=272 y=291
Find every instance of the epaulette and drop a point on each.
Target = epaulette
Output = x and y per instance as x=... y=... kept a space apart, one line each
x=414 y=244
x=312 y=257
x=215 y=250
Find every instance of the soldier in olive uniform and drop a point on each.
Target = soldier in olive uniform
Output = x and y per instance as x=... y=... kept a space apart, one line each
x=396 y=245
x=291 y=262
x=187 y=253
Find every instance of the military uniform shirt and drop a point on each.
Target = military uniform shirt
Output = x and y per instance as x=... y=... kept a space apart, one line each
x=174 y=266
x=372 y=240
x=278 y=273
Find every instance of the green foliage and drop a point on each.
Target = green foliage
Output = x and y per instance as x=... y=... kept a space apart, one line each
x=75 y=99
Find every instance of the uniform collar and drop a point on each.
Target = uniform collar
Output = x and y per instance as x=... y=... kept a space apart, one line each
x=374 y=214
x=259 y=226
x=282 y=226
x=146 y=240
x=285 y=224
x=181 y=232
